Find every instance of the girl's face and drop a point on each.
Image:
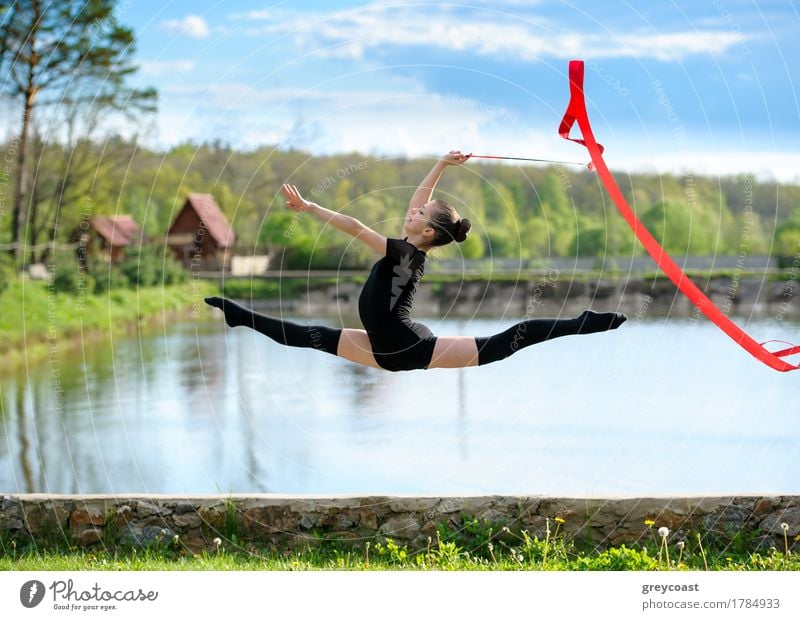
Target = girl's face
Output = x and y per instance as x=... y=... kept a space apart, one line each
x=419 y=219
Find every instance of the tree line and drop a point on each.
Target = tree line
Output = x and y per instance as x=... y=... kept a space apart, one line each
x=516 y=211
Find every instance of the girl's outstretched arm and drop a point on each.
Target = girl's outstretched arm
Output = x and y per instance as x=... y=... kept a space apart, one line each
x=340 y=221
x=425 y=190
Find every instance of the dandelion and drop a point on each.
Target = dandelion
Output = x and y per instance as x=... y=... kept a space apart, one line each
x=702 y=551
x=491 y=552
x=649 y=523
x=680 y=545
x=785 y=528
x=558 y=521
x=663 y=532
x=546 y=540
x=366 y=551
x=176 y=539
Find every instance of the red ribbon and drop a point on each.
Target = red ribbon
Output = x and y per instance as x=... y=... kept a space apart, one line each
x=576 y=112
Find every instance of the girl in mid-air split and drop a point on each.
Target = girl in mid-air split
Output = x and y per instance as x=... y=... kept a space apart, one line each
x=391 y=339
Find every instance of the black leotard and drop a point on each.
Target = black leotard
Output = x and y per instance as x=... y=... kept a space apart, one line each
x=398 y=343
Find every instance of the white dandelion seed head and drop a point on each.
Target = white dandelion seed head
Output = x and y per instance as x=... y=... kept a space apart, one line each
x=784 y=526
x=217 y=542
x=663 y=531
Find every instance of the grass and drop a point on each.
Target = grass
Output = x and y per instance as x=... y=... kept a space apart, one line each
x=33 y=317
x=473 y=547
x=533 y=555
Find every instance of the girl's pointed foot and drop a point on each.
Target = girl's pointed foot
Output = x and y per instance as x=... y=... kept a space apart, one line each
x=235 y=314
x=591 y=321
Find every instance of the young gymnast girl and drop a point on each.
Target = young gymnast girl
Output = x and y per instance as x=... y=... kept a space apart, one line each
x=391 y=339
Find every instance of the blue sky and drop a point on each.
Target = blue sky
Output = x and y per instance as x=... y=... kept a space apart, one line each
x=421 y=78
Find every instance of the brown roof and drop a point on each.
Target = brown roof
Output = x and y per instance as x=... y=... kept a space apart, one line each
x=215 y=221
x=117 y=230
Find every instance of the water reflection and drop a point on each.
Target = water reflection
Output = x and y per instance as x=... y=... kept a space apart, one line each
x=662 y=406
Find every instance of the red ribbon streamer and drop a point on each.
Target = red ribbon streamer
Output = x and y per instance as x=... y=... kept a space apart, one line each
x=576 y=112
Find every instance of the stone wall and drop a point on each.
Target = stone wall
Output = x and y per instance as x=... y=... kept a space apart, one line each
x=281 y=522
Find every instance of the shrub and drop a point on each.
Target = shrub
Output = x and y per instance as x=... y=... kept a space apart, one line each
x=106 y=275
x=149 y=265
x=68 y=278
x=8 y=271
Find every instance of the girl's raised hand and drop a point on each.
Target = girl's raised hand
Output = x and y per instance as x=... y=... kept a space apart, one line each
x=455 y=157
x=294 y=200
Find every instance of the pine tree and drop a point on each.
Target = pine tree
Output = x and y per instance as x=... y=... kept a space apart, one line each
x=71 y=52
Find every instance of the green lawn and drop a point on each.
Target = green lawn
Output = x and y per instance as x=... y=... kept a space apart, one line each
x=519 y=553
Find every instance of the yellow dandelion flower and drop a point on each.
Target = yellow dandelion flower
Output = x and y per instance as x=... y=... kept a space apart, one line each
x=649 y=522
x=559 y=520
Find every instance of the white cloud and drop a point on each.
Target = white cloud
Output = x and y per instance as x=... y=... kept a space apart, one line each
x=413 y=123
x=166 y=67
x=778 y=165
x=353 y=33
x=191 y=25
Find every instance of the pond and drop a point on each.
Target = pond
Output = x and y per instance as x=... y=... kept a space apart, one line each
x=661 y=406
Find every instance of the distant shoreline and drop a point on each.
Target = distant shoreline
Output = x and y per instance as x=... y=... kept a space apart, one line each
x=757 y=295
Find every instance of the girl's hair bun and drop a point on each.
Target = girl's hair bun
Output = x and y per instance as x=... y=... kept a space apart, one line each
x=461 y=229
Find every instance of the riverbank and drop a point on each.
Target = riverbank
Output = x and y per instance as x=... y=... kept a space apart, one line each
x=36 y=321
x=748 y=294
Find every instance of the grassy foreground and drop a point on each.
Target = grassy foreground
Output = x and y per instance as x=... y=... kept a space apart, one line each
x=524 y=553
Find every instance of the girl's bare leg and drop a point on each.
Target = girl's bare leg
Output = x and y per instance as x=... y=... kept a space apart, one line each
x=354 y=345
x=454 y=352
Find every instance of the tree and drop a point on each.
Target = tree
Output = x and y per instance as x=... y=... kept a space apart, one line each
x=75 y=52
x=787 y=238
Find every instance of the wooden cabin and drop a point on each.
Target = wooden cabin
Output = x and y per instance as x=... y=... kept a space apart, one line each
x=200 y=235
x=107 y=236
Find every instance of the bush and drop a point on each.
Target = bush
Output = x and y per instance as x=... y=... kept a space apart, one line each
x=149 y=265
x=68 y=278
x=8 y=271
x=106 y=276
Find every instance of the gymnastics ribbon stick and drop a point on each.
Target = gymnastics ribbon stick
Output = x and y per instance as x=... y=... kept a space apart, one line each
x=549 y=161
x=576 y=113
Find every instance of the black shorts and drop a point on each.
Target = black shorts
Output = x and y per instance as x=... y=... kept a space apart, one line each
x=408 y=346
